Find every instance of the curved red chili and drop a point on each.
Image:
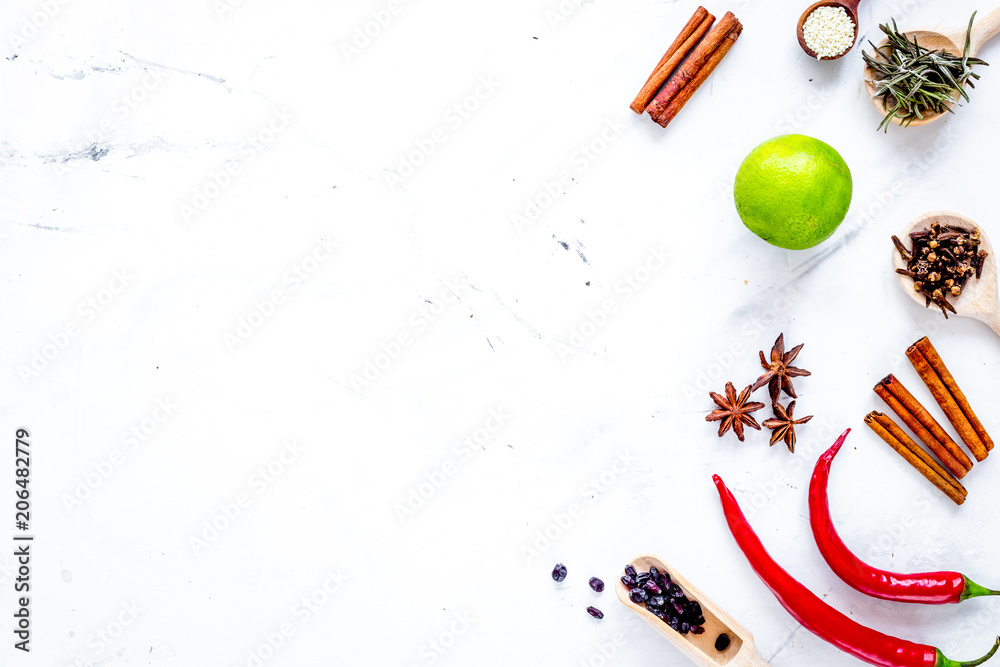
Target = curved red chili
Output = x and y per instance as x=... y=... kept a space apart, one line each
x=923 y=588
x=820 y=618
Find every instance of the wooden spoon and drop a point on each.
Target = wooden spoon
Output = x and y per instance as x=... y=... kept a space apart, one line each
x=850 y=6
x=699 y=648
x=951 y=40
x=979 y=296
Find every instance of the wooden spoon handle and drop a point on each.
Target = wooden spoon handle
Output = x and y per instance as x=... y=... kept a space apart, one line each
x=992 y=320
x=852 y=6
x=984 y=30
x=748 y=656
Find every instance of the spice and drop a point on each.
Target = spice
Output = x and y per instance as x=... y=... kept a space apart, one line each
x=783 y=425
x=820 y=618
x=828 y=31
x=916 y=456
x=916 y=417
x=941 y=261
x=695 y=70
x=922 y=588
x=686 y=65
x=943 y=387
x=690 y=35
x=664 y=599
x=779 y=374
x=913 y=81
x=734 y=411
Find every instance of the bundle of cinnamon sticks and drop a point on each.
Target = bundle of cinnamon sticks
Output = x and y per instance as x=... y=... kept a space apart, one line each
x=954 y=463
x=691 y=58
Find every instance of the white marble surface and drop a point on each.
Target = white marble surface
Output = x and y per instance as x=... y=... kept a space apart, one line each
x=220 y=215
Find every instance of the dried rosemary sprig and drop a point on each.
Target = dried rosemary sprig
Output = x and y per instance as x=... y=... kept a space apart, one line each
x=914 y=81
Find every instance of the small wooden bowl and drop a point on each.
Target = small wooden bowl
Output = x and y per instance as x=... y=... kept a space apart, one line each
x=699 y=648
x=850 y=6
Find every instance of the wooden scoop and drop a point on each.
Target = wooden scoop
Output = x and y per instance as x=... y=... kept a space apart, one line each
x=699 y=648
x=850 y=6
x=951 y=40
x=979 y=296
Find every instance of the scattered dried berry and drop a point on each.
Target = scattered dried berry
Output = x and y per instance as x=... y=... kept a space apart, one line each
x=597 y=584
x=595 y=612
x=559 y=572
x=638 y=595
x=722 y=642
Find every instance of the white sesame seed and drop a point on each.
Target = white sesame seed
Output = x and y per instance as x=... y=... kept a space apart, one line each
x=828 y=31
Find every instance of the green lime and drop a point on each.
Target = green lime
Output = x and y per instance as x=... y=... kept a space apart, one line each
x=793 y=191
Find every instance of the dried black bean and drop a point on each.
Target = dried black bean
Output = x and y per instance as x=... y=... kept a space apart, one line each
x=665 y=599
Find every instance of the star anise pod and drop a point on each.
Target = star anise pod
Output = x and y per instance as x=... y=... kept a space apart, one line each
x=779 y=374
x=783 y=425
x=735 y=411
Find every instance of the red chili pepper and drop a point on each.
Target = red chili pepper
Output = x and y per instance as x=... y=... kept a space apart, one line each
x=820 y=618
x=924 y=588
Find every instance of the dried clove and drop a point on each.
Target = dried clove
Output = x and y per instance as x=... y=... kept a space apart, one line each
x=940 y=262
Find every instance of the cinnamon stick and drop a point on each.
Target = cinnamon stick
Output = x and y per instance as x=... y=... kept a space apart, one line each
x=689 y=36
x=900 y=435
x=690 y=75
x=948 y=380
x=678 y=102
x=909 y=410
x=914 y=460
